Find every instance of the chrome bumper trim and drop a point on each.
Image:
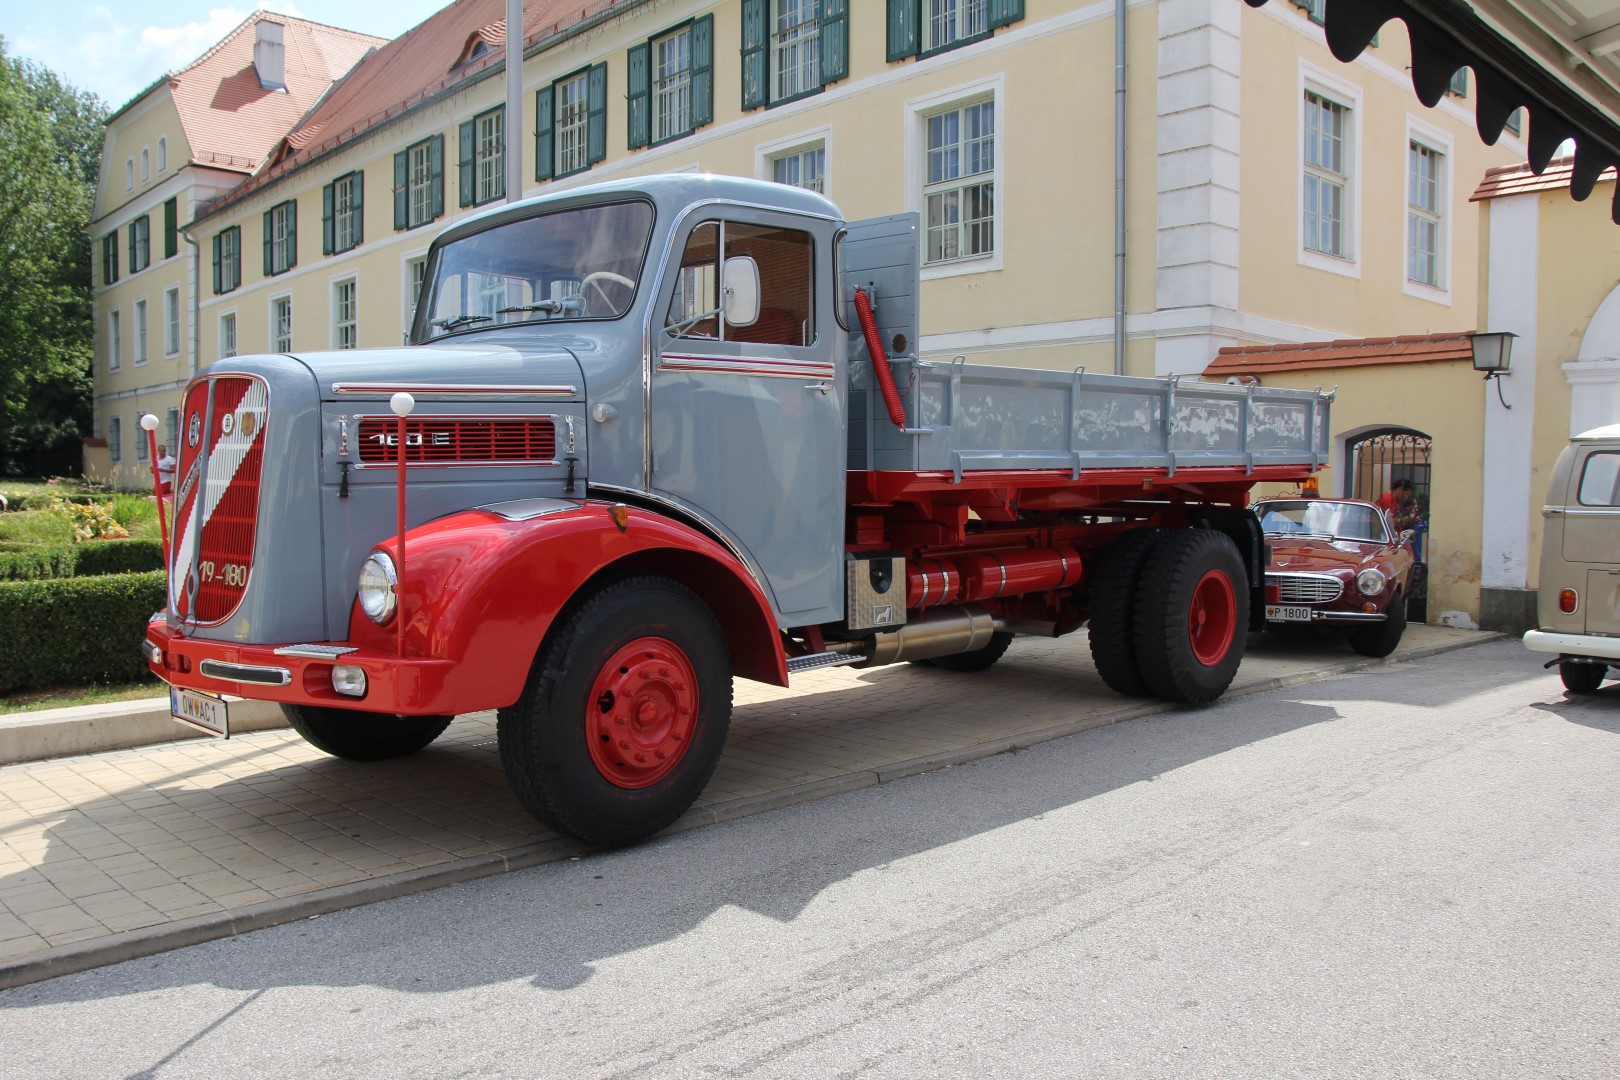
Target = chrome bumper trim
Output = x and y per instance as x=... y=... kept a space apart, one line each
x=1545 y=641
x=316 y=652
x=249 y=673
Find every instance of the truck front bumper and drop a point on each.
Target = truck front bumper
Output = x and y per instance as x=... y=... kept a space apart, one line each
x=301 y=674
x=1592 y=645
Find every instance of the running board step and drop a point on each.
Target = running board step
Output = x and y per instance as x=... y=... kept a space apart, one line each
x=797 y=664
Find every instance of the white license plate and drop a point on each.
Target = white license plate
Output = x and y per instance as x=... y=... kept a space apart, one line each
x=1287 y=613
x=203 y=711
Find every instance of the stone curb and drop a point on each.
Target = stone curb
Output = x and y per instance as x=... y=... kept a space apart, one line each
x=149 y=941
x=114 y=725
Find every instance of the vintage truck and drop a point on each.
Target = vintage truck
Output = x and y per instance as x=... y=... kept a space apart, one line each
x=648 y=435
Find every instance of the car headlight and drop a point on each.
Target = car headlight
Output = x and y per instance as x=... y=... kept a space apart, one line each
x=1371 y=582
x=378 y=581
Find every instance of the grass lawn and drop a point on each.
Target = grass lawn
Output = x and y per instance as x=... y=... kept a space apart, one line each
x=61 y=698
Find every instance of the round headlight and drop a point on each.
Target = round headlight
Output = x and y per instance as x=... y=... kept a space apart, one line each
x=377 y=583
x=1370 y=582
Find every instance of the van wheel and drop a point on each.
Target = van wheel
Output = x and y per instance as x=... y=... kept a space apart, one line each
x=1381 y=639
x=1580 y=678
x=363 y=736
x=1112 y=623
x=1192 y=608
x=624 y=715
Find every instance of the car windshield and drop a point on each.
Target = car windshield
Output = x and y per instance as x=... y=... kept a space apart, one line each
x=1323 y=517
x=572 y=264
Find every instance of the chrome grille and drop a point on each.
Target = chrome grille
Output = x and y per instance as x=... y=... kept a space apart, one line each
x=1305 y=588
x=460 y=440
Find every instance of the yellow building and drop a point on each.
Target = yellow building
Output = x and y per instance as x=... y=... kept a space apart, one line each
x=187 y=139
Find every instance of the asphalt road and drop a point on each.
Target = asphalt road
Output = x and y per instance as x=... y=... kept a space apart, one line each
x=1409 y=872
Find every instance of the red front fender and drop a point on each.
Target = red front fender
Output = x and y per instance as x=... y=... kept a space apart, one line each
x=482 y=591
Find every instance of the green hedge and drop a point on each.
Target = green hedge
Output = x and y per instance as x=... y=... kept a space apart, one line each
x=41 y=500
x=75 y=631
x=89 y=559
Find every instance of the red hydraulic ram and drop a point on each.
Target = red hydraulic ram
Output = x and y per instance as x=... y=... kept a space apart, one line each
x=986 y=575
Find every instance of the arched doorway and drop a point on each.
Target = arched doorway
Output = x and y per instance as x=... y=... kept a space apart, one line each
x=1377 y=459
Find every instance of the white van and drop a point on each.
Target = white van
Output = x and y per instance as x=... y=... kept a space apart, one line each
x=1578 y=603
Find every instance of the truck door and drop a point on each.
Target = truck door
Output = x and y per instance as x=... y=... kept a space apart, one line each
x=748 y=421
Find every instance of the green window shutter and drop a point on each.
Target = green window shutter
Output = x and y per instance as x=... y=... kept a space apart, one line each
x=905 y=23
x=109 y=258
x=219 y=282
x=236 y=245
x=1005 y=12
x=543 y=108
x=703 y=71
x=638 y=94
x=469 y=187
x=596 y=114
x=292 y=235
x=267 y=235
x=171 y=228
x=328 y=233
x=754 y=56
x=402 y=194
x=357 y=221
x=133 y=264
x=834 y=40
x=436 y=168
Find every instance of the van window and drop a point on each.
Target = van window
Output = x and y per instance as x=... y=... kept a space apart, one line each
x=1600 y=478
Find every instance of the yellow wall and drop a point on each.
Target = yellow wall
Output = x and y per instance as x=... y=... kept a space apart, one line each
x=140 y=128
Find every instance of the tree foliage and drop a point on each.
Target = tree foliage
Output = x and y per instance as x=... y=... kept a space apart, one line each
x=50 y=149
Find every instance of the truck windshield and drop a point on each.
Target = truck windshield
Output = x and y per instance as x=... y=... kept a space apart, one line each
x=572 y=264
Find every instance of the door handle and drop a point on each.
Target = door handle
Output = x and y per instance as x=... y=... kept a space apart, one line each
x=822 y=388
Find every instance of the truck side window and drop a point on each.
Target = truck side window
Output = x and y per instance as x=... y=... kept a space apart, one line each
x=786 y=261
x=1600 y=480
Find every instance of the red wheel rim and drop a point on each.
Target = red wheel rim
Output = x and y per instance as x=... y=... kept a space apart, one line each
x=1212 y=618
x=641 y=713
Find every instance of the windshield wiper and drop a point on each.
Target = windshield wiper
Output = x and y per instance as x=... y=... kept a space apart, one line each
x=550 y=307
x=459 y=320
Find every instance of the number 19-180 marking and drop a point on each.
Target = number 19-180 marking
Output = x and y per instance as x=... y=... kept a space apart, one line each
x=234 y=575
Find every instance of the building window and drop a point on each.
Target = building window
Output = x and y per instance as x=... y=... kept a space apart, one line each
x=345 y=333
x=1423 y=217
x=415 y=274
x=342 y=211
x=1315 y=10
x=572 y=113
x=171 y=430
x=141 y=454
x=482 y=139
x=146 y=165
x=115 y=439
x=1459 y=83
x=227 y=260
x=109 y=258
x=129 y=174
x=922 y=27
x=171 y=321
x=115 y=340
x=1327 y=176
x=163 y=154
x=672 y=85
x=419 y=183
x=280 y=238
x=140 y=243
x=281 y=324
x=959 y=189
x=804 y=167
x=792 y=48
x=227 y=335
x=1515 y=121
x=140 y=332
x=795 y=48
x=570 y=133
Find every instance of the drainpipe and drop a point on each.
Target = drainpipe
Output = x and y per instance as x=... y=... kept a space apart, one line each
x=1119 y=186
x=512 y=151
x=196 y=300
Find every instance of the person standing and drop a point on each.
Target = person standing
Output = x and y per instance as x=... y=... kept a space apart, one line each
x=165 y=471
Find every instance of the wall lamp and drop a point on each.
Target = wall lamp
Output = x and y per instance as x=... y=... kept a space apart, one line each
x=1493 y=356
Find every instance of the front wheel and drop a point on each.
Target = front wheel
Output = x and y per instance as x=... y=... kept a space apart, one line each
x=363 y=736
x=1381 y=639
x=1582 y=678
x=624 y=715
x=1193 y=607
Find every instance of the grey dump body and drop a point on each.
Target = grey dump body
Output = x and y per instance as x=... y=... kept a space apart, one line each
x=746 y=440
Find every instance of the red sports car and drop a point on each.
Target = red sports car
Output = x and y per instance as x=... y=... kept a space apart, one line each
x=1337 y=562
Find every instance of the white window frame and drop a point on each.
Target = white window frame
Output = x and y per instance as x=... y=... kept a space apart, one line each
x=230 y=259
x=489 y=155
x=273 y=325
x=115 y=439
x=407 y=301
x=115 y=339
x=1314 y=80
x=917 y=112
x=960 y=11
x=171 y=429
x=570 y=124
x=674 y=101
x=162 y=154
x=142 y=456
x=795 y=49
x=229 y=317
x=1441 y=143
x=345 y=329
x=140 y=332
x=766 y=155
x=345 y=215
x=280 y=253
x=419 y=183
x=171 y=321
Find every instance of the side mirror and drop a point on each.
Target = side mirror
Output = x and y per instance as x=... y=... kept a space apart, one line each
x=739 y=289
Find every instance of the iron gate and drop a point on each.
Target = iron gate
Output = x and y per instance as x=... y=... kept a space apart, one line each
x=1378 y=459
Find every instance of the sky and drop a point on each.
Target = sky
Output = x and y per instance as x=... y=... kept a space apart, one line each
x=116 y=48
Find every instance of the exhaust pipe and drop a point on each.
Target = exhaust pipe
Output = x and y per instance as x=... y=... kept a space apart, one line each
x=941 y=631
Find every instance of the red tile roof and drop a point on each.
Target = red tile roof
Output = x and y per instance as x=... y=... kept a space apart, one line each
x=231 y=121
x=1505 y=180
x=1355 y=352
x=416 y=66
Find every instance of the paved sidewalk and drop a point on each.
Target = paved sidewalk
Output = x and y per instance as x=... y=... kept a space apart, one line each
x=120 y=854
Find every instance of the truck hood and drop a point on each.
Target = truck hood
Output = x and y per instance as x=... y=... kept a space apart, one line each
x=460 y=370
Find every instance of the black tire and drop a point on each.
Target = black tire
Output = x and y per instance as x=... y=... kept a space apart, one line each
x=977 y=660
x=1114 y=608
x=1381 y=639
x=630 y=657
x=363 y=736
x=1192 y=616
x=1582 y=678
